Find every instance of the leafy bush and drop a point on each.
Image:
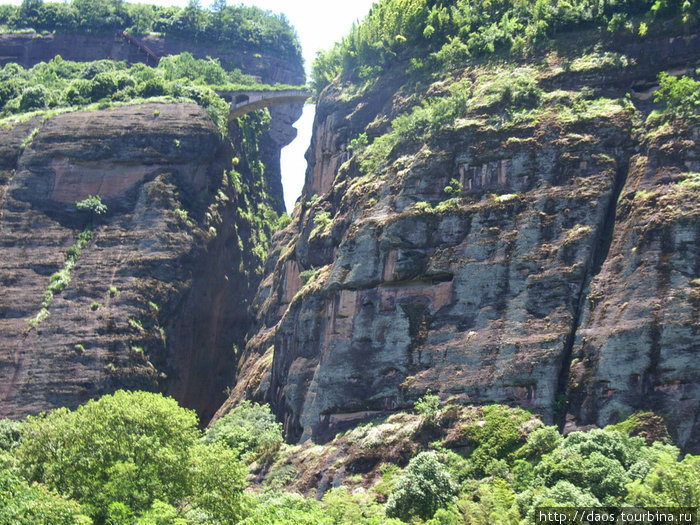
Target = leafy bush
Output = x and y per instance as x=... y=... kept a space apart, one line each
x=428 y=407
x=284 y=508
x=78 y=92
x=92 y=204
x=361 y=509
x=153 y=87
x=34 y=97
x=10 y=432
x=24 y=504
x=596 y=461
x=250 y=429
x=424 y=487
x=670 y=483
x=236 y=27
x=497 y=436
x=681 y=95
x=103 y=85
x=130 y=447
x=494 y=504
x=541 y=441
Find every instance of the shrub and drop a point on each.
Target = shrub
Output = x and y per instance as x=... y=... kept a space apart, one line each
x=78 y=92
x=497 y=437
x=428 y=407
x=103 y=85
x=670 y=483
x=154 y=87
x=541 y=441
x=34 y=97
x=284 y=508
x=10 y=433
x=8 y=89
x=596 y=461
x=424 y=487
x=681 y=95
x=92 y=204
x=322 y=222
x=360 y=509
x=250 y=429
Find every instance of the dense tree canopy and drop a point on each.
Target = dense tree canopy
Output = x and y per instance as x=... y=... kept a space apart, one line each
x=236 y=27
x=455 y=31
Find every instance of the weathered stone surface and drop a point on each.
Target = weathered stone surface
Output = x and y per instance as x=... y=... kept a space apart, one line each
x=638 y=344
x=480 y=299
x=156 y=298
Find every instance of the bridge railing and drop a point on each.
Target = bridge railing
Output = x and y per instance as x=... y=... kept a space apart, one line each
x=141 y=46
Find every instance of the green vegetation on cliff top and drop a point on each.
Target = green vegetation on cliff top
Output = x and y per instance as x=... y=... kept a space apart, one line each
x=434 y=34
x=240 y=27
x=64 y=85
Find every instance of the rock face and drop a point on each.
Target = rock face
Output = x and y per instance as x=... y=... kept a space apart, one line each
x=157 y=297
x=637 y=347
x=548 y=285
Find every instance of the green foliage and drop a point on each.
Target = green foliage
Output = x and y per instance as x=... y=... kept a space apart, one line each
x=454 y=188
x=34 y=97
x=493 y=504
x=670 y=483
x=10 y=433
x=284 y=508
x=308 y=275
x=92 y=204
x=322 y=222
x=449 y=34
x=681 y=95
x=239 y=27
x=358 y=142
x=160 y=513
x=361 y=509
x=541 y=441
x=249 y=429
x=283 y=221
x=217 y=479
x=59 y=83
x=25 y=504
x=61 y=278
x=424 y=487
x=496 y=436
x=599 y=463
x=428 y=407
x=131 y=448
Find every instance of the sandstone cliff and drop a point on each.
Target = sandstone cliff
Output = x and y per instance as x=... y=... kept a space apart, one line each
x=561 y=278
x=157 y=297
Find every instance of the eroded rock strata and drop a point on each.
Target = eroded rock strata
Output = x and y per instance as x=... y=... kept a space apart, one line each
x=157 y=297
x=563 y=278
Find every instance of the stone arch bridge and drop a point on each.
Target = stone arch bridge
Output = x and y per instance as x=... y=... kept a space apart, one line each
x=243 y=102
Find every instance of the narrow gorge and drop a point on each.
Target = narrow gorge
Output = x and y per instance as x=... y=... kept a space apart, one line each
x=485 y=301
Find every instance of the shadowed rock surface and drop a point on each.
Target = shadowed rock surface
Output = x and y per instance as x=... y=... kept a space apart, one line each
x=157 y=298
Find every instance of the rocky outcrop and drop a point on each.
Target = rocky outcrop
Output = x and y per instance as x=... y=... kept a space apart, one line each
x=156 y=299
x=28 y=49
x=383 y=287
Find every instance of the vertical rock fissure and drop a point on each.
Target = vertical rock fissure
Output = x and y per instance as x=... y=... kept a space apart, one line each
x=598 y=255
